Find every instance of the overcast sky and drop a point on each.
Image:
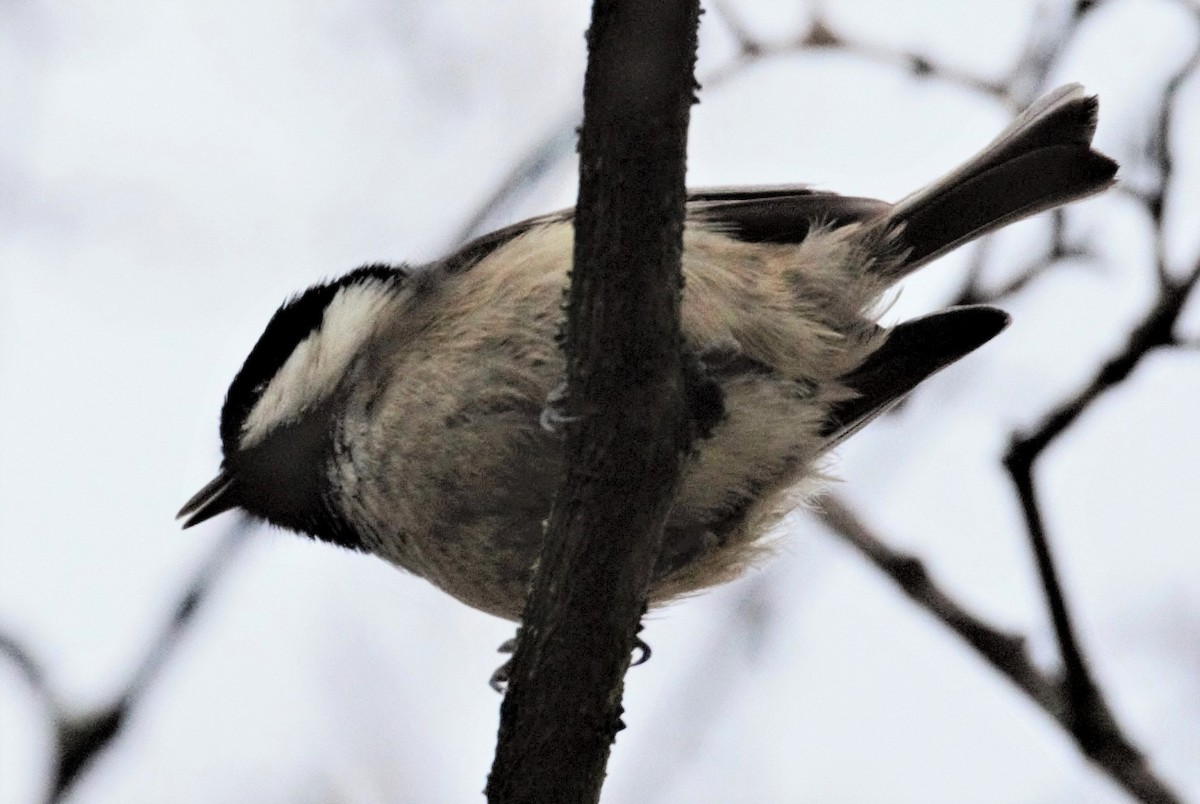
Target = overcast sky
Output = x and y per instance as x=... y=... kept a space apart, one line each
x=170 y=172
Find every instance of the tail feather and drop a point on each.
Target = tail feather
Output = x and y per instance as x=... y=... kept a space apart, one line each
x=1042 y=160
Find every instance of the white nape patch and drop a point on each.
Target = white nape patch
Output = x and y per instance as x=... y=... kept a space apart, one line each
x=319 y=362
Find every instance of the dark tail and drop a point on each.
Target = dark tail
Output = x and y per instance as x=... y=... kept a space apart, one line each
x=1044 y=159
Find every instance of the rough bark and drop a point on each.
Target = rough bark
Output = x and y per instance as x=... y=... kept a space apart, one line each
x=627 y=431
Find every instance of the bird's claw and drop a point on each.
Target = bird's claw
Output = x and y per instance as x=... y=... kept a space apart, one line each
x=642 y=649
x=554 y=415
x=500 y=678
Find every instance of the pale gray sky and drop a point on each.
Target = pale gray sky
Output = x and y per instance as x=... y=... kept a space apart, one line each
x=171 y=171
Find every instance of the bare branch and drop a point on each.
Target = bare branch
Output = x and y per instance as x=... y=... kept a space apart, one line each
x=1006 y=652
x=1160 y=148
x=1050 y=32
x=29 y=667
x=818 y=36
x=626 y=426
x=79 y=738
x=536 y=163
x=1105 y=744
x=1058 y=249
x=1088 y=714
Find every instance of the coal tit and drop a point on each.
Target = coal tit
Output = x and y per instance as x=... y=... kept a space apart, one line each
x=398 y=410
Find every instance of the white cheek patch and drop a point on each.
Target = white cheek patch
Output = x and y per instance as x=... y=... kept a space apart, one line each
x=319 y=362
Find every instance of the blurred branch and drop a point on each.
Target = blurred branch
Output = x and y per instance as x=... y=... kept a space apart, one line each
x=974 y=290
x=1107 y=747
x=82 y=738
x=1006 y=652
x=536 y=163
x=821 y=35
x=1087 y=715
x=78 y=738
x=1025 y=81
x=1053 y=27
x=1154 y=200
x=818 y=36
x=28 y=667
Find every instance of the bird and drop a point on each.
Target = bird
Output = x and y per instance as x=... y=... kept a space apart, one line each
x=401 y=410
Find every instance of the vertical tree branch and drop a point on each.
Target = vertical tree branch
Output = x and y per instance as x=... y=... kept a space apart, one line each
x=626 y=428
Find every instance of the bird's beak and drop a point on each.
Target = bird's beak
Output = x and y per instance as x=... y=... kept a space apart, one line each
x=216 y=497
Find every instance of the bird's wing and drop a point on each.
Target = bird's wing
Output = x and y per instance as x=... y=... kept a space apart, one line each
x=781 y=214
x=914 y=351
x=754 y=214
x=480 y=247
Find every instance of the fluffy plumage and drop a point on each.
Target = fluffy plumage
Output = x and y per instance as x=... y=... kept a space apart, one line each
x=397 y=410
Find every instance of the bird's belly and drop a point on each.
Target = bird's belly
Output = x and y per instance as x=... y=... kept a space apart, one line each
x=472 y=521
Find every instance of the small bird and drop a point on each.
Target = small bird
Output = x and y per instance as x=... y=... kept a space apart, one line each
x=399 y=410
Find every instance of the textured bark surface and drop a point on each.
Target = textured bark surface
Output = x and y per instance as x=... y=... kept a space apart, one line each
x=628 y=431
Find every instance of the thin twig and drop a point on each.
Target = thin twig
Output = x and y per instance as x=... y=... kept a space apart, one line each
x=1155 y=201
x=30 y=669
x=540 y=157
x=536 y=163
x=1006 y=652
x=1088 y=714
x=78 y=738
x=1048 y=37
x=1058 y=249
x=1114 y=754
